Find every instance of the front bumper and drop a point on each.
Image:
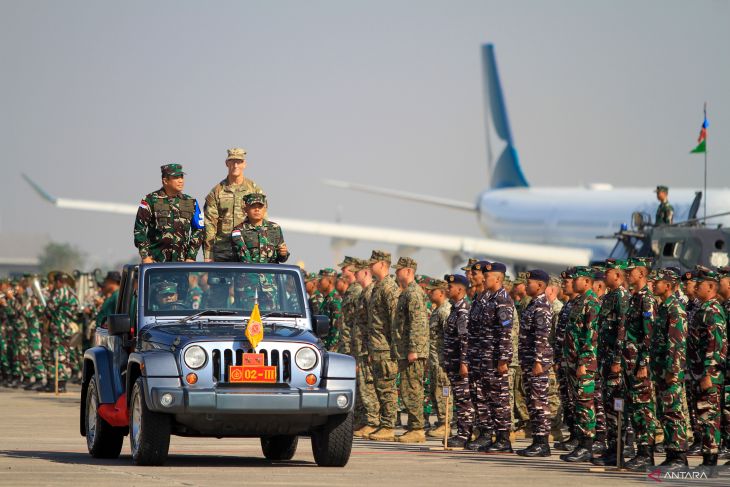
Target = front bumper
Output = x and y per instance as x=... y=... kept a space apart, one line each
x=250 y=399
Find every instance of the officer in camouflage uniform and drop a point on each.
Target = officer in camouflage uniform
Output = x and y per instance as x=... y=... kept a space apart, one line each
x=61 y=308
x=536 y=356
x=350 y=300
x=611 y=335
x=518 y=397
x=693 y=304
x=257 y=240
x=707 y=353
x=331 y=307
x=438 y=377
x=367 y=407
x=665 y=212
x=498 y=316
x=410 y=347
x=561 y=361
x=224 y=208
x=169 y=224
x=724 y=297
x=315 y=297
x=18 y=336
x=477 y=335
x=639 y=326
x=382 y=309
x=668 y=363
x=556 y=408
x=580 y=352
x=456 y=358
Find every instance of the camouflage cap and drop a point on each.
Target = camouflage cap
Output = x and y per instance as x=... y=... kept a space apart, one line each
x=568 y=273
x=310 y=276
x=253 y=198
x=724 y=271
x=583 y=271
x=653 y=275
x=379 y=256
x=661 y=188
x=166 y=287
x=360 y=264
x=236 y=154
x=471 y=262
x=703 y=273
x=171 y=170
x=422 y=279
x=521 y=278
x=667 y=275
x=436 y=284
x=405 y=263
x=348 y=261
x=635 y=262
x=328 y=272
x=554 y=280
x=619 y=264
x=340 y=276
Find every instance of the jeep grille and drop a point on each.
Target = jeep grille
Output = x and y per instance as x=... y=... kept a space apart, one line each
x=223 y=358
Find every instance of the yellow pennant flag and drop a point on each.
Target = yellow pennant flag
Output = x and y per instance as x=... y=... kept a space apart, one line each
x=255 y=329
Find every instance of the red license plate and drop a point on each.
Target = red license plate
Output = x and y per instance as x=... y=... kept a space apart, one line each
x=252 y=374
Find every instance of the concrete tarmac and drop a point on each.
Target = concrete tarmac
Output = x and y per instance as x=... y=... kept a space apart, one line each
x=40 y=445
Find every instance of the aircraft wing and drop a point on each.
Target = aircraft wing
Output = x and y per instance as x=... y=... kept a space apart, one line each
x=538 y=255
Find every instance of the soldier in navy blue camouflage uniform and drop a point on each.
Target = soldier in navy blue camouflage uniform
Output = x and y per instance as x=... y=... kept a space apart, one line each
x=497 y=317
x=455 y=359
x=536 y=356
x=477 y=336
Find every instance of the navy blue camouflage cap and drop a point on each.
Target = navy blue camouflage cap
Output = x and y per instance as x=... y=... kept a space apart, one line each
x=538 y=275
x=495 y=267
x=456 y=279
x=480 y=265
x=171 y=170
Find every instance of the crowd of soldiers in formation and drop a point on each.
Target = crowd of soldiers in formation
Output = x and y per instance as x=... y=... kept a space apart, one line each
x=44 y=329
x=539 y=353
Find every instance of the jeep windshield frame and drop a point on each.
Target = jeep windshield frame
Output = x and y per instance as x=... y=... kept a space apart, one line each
x=219 y=285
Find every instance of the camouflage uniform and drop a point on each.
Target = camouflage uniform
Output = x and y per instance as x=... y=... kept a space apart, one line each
x=350 y=301
x=556 y=406
x=439 y=379
x=534 y=347
x=581 y=340
x=668 y=356
x=224 y=212
x=258 y=243
x=498 y=316
x=639 y=325
x=455 y=353
x=168 y=228
x=332 y=308
x=664 y=214
x=562 y=360
x=62 y=308
x=382 y=310
x=367 y=405
x=706 y=354
x=410 y=334
x=35 y=370
x=477 y=338
x=611 y=336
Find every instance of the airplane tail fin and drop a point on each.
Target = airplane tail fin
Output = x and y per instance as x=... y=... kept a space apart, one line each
x=506 y=170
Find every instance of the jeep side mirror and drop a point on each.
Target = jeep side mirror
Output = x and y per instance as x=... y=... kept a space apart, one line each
x=321 y=325
x=119 y=324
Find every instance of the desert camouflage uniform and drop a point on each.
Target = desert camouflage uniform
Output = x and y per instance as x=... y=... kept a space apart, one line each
x=367 y=407
x=350 y=300
x=438 y=377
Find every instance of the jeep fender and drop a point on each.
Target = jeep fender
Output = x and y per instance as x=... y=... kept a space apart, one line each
x=153 y=363
x=98 y=362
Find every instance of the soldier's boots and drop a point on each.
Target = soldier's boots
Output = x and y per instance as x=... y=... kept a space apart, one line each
x=539 y=447
x=51 y=387
x=708 y=465
x=383 y=434
x=398 y=420
x=483 y=440
x=456 y=442
x=365 y=431
x=724 y=452
x=437 y=432
x=696 y=447
x=501 y=444
x=582 y=453
x=426 y=422
x=644 y=458
x=39 y=386
x=675 y=461
x=412 y=436
x=659 y=448
x=629 y=450
x=599 y=445
x=568 y=445
x=608 y=458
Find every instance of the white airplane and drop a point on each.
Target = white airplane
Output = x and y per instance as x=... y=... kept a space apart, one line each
x=524 y=225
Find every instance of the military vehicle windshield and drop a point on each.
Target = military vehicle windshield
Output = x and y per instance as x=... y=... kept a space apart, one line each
x=180 y=292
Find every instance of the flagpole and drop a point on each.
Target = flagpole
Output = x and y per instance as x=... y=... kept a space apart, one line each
x=704 y=200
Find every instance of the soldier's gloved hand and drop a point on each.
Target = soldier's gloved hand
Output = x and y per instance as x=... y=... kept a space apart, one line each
x=706 y=382
x=642 y=373
x=463 y=371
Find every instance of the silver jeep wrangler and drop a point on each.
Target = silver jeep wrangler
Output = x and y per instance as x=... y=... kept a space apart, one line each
x=175 y=358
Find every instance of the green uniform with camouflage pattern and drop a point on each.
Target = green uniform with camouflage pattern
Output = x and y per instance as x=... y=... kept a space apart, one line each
x=34 y=370
x=258 y=244
x=410 y=334
x=669 y=357
x=62 y=308
x=167 y=228
x=580 y=348
x=332 y=308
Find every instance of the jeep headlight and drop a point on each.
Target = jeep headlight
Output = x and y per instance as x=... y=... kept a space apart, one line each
x=195 y=357
x=306 y=358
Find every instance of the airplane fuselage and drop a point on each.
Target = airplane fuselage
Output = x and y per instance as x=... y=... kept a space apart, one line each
x=574 y=216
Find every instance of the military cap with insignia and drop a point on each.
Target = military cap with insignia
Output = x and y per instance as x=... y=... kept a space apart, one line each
x=568 y=273
x=328 y=272
x=703 y=273
x=583 y=271
x=688 y=276
x=405 y=263
x=310 y=276
x=254 y=198
x=538 y=275
x=471 y=262
x=360 y=264
x=479 y=265
x=456 y=279
x=436 y=284
x=724 y=271
x=495 y=267
x=521 y=278
x=172 y=170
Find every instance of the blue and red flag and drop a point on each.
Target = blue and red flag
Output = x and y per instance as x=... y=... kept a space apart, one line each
x=702 y=139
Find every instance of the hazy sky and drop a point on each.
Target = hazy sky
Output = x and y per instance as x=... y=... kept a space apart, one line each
x=96 y=95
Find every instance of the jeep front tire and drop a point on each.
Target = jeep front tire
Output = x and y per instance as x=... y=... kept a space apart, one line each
x=149 y=432
x=332 y=443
